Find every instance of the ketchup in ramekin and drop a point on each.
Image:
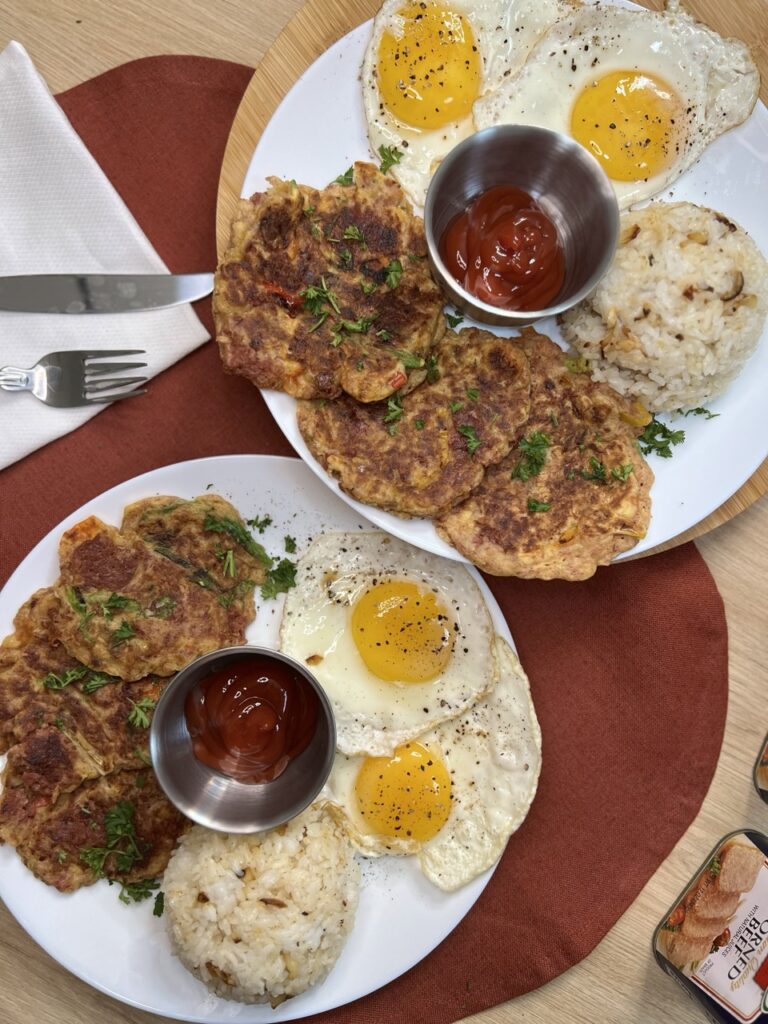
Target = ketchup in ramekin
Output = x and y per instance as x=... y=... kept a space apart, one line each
x=249 y=719
x=505 y=250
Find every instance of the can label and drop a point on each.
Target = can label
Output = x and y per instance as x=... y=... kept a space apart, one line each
x=717 y=935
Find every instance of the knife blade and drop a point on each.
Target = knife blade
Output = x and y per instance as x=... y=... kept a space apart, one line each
x=99 y=293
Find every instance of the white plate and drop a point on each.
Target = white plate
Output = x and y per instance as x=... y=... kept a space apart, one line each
x=319 y=130
x=124 y=950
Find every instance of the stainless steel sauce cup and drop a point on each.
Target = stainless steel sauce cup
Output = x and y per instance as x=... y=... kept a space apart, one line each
x=569 y=185
x=215 y=800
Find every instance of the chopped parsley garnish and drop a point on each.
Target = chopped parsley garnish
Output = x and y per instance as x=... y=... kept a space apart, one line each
x=135 y=892
x=124 y=631
x=390 y=155
x=76 y=602
x=384 y=335
x=260 y=523
x=290 y=544
x=595 y=472
x=658 y=438
x=714 y=867
x=61 y=856
x=279 y=580
x=138 y=716
x=95 y=682
x=622 y=472
x=701 y=411
x=228 y=559
x=433 y=372
x=454 y=319
x=353 y=232
x=473 y=394
x=408 y=359
x=538 y=506
x=455 y=406
x=359 y=326
x=534 y=449
x=122 y=844
x=54 y=682
x=345 y=257
x=393 y=271
x=159 y=907
x=239 y=534
x=419 y=424
x=118 y=602
x=367 y=287
x=347 y=178
x=143 y=756
x=394 y=409
x=473 y=441
x=317 y=296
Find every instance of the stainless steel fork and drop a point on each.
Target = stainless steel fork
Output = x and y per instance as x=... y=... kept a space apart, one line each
x=65 y=379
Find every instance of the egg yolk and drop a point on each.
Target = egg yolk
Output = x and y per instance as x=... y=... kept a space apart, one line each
x=402 y=632
x=631 y=121
x=430 y=75
x=406 y=796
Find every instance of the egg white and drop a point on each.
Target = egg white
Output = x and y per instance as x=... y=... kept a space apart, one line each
x=374 y=716
x=504 y=30
x=714 y=77
x=493 y=755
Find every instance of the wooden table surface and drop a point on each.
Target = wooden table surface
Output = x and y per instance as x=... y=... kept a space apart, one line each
x=72 y=40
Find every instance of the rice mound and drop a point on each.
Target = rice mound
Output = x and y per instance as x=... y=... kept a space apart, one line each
x=260 y=918
x=679 y=312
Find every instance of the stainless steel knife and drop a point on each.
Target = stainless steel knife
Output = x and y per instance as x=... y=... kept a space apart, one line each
x=99 y=293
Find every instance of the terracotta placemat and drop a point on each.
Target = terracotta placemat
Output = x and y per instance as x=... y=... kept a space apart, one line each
x=628 y=669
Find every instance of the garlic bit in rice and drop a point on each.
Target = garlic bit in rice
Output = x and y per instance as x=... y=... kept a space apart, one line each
x=261 y=918
x=682 y=308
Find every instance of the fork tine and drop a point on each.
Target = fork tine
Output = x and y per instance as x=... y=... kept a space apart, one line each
x=115 y=398
x=112 y=382
x=108 y=353
x=97 y=369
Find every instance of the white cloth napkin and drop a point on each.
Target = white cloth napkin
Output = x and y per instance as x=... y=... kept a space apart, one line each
x=60 y=214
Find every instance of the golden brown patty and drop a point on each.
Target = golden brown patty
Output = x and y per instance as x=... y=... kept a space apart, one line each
x=421 y=453
x=207 y=538
x=53 y=844
x=125 y=610
x=573 y=492
x=324 y=292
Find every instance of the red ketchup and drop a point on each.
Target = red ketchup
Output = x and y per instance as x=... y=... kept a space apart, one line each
x=504 y=250
x=249 y=719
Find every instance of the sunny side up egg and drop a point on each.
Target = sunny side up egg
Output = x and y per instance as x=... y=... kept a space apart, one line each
x=455 y=794
x=428 y=62
x=399 y=639
x=645 y=92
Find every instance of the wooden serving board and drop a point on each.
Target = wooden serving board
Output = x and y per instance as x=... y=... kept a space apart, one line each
x=320 y=23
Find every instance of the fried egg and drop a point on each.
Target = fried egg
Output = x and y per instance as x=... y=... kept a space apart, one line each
x=399 y=639
x=455 y=794
x=426 y=64
x=644 y=92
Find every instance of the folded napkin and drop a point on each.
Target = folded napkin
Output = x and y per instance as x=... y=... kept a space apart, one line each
x=60 y=214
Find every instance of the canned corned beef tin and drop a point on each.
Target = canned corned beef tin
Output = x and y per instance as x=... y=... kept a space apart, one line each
x=714 y=940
